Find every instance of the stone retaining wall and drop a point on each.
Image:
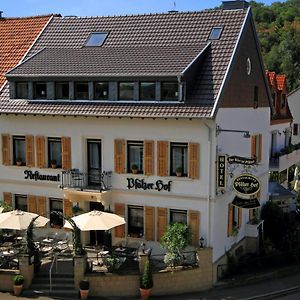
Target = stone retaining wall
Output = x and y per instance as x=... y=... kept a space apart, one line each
x=6 y=279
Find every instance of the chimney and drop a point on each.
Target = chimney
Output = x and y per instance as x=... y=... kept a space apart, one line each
x=238 y=4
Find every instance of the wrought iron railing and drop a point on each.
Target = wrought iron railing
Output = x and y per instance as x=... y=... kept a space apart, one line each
x=79 y=180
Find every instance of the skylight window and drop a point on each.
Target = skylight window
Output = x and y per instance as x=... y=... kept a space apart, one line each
x=215 y=33
x=96 y=39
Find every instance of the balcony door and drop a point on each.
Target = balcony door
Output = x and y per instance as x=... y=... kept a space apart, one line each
x=94 y=162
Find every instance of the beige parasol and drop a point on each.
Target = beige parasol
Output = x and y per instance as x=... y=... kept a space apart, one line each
x=20 y=220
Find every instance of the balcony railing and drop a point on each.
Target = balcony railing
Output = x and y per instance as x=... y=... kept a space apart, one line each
x=95 y=180
x=284 y=160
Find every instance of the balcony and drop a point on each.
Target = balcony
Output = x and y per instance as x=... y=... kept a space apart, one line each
x=285 y=159
x=95 y=181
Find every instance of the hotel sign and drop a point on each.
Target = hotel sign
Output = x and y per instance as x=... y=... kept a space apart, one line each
x=246 y=184
x=241 y=160
x=36 y=176
x=221 y=172
x=141 y=184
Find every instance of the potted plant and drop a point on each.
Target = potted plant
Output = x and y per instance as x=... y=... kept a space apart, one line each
x=134 y=169
x=18 y=281
x=53 y=163
x=84 y=287
x=146 y=281
x=19 y=161
x=111 y=263
x=178 y=171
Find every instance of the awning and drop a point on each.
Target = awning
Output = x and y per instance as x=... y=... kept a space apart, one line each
x=245 y=203
x=87 y=195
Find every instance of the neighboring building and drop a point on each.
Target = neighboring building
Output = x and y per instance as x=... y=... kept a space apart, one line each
x=166 y=94
x=293 y=102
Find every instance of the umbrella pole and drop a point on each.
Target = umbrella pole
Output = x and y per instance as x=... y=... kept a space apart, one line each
x=96 y=238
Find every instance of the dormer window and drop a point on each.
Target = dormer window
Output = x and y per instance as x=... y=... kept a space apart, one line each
x=96 y=39
x=169 y=91
x=40 y=90
x=215 y=33
x=21 y=90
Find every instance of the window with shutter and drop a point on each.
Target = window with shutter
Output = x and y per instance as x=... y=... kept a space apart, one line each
x=120 y=210
x=149 y=158
x=7 y=198
x=119 y=153
x=68 y=207
x=256 y=147
x=32 y=204
x=194 y=160
x=162 y=158
x=40 y=152
x=162 y=219
x=6 y=150
x=230 y=220
x=150 y=223
x=41 y=205
x=194 y=223
x=29 y=141
x=66 y=153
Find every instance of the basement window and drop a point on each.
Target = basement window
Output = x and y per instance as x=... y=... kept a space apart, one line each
x=96 y=39
x=215 y=33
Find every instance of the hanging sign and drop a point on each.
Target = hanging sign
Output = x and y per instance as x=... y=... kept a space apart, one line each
x=246 y=184
x=241 y=160
x=246 y=203
x=221 y=172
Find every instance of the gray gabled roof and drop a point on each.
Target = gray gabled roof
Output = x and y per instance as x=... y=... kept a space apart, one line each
x=159 y=44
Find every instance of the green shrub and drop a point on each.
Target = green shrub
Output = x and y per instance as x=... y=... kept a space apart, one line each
x=18 y=279
x=146 y=280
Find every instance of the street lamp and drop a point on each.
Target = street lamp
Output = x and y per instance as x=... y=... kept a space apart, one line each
x=246 y=133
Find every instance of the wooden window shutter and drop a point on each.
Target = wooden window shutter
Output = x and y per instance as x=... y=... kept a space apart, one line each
x=194 y=222
x=29 y=141
x=68 y=207
x=162 y=158
x=6 y=150
x=240 y=217
x=66 y=153
x=41 y=206
x=32 y=204
x=193 y=152
x=253 y=146
x=120 y=210
x=229 y=222
x=119 y=156
x=7 y=198
x=162 y=215
x=149 y=158
x=40 y=151
x=149 y=217
x=259 y=147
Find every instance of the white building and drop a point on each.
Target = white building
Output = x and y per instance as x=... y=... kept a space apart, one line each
x=168 y=93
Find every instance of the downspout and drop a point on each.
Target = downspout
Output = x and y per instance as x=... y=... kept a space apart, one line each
x=209 y=183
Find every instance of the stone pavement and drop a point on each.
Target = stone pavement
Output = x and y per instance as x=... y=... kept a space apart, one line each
x=267 y=286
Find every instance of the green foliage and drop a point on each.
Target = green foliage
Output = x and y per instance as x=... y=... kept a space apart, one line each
x=18 y=279
x=278 y=28
x=111 y=262
x=84 y=284
x=6 y=207
x=146 y=280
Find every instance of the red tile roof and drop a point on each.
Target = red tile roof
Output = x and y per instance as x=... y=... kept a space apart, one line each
x=17 y=36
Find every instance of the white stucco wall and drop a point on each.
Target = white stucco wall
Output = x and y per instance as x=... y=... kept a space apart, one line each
x=294 y=105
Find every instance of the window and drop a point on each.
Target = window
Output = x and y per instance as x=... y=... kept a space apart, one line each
x=169 y=91
x=96 y=39
x=81 y=90
x=21 y=90
x=126 y=90
x=255 y=100
x=40 y=90
x=147 y=91
x=135 y=221
x=295 y=129
x=283 y=100
x=135 y=151
x=21 y=202
x=62 y=90
x=179 y=156
x=56 y=205
x=179 y=216
x=101 y=90
x=215 y=33
x=54 y=152
x=19 y=151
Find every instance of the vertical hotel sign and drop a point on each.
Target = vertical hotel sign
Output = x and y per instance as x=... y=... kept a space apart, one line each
x=221 y=172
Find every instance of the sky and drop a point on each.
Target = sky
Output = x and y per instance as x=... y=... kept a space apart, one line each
x=20 y=8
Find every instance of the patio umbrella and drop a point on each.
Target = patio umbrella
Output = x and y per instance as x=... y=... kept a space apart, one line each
x=20 y=220
x=96 y=220
x=1 y=209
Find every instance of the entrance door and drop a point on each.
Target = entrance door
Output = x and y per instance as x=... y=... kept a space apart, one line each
x=94 y=162
x=96 y=236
